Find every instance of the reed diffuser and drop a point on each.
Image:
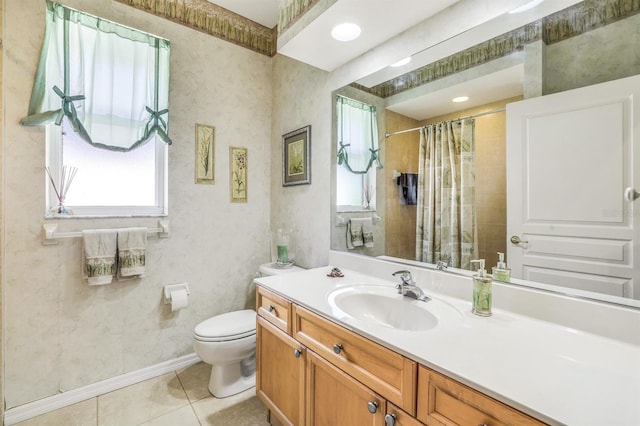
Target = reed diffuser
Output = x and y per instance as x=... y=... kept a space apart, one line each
x=61 y=189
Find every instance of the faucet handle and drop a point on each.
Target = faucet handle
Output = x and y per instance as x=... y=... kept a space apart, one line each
x=405 y=276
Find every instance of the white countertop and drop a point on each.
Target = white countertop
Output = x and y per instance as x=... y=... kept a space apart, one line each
x=557 y=374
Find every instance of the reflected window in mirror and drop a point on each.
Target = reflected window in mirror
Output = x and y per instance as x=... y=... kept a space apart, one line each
x=358 y=155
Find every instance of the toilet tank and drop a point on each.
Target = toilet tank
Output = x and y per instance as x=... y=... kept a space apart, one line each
x=268 y=269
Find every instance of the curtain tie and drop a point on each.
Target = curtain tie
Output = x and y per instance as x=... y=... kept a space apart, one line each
x=375 y=158
x=68 y=108
x=342 y=153
x=152 y=124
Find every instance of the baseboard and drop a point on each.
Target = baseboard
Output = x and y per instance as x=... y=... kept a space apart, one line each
x=42 y=406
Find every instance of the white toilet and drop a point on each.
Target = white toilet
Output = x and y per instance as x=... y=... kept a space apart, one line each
x=228 y=343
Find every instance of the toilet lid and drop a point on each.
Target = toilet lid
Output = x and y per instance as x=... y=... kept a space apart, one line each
x=229 y=326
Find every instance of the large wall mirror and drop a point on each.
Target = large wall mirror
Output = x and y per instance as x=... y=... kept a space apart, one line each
x=567 y=51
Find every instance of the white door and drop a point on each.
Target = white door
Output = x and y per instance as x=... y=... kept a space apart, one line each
x=570 y=157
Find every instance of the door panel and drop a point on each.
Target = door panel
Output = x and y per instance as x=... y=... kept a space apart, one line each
x=570 y=157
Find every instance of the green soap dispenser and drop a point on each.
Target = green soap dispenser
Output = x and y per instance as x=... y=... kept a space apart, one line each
x=500 y=272
x=481 y=291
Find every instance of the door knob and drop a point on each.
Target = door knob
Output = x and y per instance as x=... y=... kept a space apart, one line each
x=516 y=240
x=271 y=308
x=630 y=194
x=390 y=419
x=337 y=348
x=372 y=406
x=297 y=353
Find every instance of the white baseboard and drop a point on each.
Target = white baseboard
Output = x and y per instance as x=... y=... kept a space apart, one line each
x=42 y=406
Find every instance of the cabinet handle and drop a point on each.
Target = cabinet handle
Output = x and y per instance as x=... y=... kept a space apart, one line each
x=337 y=348
x=372 y=406
x=483 y=424
x=390 y=419
x=271 y=308
x=297 y=353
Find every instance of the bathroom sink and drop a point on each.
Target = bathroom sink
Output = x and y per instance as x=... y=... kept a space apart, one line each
x=382 y=305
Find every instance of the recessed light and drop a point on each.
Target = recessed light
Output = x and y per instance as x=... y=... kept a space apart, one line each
x=460 y=99
x=401 y=62
x=526 y=6
x=345 y=32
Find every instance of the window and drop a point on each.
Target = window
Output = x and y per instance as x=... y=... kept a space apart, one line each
x=107 y=183
x=106 y=88
x=357 y=129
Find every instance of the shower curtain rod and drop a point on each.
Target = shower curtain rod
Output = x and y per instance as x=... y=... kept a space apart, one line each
x=386 y=135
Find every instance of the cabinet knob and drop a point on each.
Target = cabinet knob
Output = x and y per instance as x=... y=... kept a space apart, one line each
x=297 y=353
x=271 y=308
x=337 y=348
x=390 y=419
x=372 y=406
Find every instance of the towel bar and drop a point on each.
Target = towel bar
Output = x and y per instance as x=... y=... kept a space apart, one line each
x=51 y=237
x=342 y=221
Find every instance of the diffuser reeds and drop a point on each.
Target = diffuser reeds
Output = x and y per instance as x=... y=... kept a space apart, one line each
x=61 y=189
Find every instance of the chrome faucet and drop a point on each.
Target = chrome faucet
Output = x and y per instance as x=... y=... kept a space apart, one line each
x=408 y=287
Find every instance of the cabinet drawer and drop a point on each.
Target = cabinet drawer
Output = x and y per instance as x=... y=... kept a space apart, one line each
x=443 y=401
x=274 y=308
x=389 y=374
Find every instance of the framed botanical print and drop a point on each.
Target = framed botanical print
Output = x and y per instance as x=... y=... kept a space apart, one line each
x=238 y=169
x=205 y=158
x=296 y=157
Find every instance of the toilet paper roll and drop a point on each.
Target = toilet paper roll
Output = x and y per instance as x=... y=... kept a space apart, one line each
x=179 y=299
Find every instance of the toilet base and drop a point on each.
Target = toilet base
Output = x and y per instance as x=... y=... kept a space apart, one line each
x=227 y=380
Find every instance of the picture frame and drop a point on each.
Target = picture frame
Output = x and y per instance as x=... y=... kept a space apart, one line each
x=296 y=157
x=205 y=154
x=238 y=163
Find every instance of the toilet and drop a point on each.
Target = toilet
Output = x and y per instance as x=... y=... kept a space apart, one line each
x=228 y=342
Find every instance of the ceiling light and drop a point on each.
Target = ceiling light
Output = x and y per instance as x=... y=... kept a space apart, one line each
x=402 y=62
x=460 y=99
x=345 y=32
x=527 y=6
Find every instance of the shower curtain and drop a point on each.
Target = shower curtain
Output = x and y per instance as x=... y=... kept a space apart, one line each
x=446 y=222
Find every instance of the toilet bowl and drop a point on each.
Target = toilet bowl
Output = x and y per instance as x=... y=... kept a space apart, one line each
x=228 y=343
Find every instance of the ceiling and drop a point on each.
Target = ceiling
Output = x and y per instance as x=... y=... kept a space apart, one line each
x=264 y=12
x=381 y=20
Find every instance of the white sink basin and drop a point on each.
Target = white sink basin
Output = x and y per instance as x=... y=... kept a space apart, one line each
x=382 y=305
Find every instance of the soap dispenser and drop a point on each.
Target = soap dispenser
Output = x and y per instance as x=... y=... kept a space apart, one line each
x=500 y=272
x=481 y=291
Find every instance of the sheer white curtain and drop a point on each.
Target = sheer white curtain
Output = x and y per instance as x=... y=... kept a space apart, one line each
x=357 y=135
x=110 y=81
x=446 y=214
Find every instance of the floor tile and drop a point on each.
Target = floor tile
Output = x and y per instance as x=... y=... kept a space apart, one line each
x=141 y=402
x=184 y=416
x=195 y=381
x=207 y=407
x=250 y=412
x=81 y=414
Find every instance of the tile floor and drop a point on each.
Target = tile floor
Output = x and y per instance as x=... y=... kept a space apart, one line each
x=180 y=398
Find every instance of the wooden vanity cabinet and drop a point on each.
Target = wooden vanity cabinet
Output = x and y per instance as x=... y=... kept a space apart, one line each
x=334 y=398
x=280 y=373
x=443 y=401
x=311 y=371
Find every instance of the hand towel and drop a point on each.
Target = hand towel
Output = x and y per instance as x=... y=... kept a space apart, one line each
x=132 y=248
x=99 y=255
x=367 y=231
x=354 y=234
x=409 y=183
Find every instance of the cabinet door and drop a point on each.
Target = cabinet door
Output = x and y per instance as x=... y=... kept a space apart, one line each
x=334 y=398
x=280 y=369
x=397 y=417
x=443 y=401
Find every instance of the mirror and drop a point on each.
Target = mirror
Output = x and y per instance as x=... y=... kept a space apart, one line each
x=587 y=43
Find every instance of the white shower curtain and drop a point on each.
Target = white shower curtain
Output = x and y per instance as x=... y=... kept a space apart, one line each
x=446 y=222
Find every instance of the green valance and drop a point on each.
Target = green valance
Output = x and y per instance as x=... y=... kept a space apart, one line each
x=111 y=82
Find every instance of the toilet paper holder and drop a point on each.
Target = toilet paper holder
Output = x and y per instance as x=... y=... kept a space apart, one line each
x=168 y=289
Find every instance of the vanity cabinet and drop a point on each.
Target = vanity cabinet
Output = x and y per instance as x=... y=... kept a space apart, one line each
x=314 y=372
x=443 y=401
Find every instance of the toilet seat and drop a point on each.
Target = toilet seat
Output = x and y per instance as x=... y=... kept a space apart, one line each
x=230 y=326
